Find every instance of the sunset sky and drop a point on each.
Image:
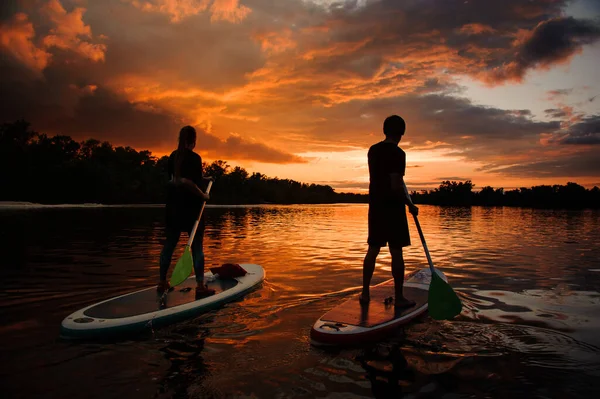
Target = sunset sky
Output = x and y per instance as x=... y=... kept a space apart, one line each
x=502 y=92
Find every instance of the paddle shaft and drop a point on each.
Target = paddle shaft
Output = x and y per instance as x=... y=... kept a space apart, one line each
x=193 y=234
x=424 y=244
x=421 y=235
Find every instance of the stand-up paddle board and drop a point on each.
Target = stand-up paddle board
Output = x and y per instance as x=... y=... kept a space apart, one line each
x=352 y=323
x=137 y=311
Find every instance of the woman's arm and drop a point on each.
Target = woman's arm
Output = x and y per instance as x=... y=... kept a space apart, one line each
x=190 y=185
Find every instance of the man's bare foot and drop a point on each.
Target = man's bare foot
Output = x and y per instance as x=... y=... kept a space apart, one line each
x=403 y=303
x=364 y=299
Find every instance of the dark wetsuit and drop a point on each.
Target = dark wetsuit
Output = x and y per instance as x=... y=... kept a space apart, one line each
x=388 y=224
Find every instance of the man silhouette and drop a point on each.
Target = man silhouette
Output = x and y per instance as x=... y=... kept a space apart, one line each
x=388 y=197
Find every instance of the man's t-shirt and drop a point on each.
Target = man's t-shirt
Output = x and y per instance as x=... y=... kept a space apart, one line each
x=384 y=159
x=183 y=206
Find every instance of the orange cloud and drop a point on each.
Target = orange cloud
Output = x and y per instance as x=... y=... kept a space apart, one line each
x=476 y=29
x=17 y=36
x=228 y=10
x=335 y=49
x=317 y=29
x=85 y=90
x=275 y=42
x=236 y=147
x=68 y=30
x=177 y=10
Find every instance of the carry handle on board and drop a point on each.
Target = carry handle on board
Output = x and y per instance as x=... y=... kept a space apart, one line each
x=185 y=264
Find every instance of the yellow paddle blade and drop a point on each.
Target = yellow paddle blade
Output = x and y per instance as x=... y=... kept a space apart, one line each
x=183 y=268
x=443 y=303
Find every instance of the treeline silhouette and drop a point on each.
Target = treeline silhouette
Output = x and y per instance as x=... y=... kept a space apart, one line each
x=569 y=196
x=60 y=170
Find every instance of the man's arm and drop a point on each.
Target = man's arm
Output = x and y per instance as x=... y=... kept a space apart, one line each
x=401 y=191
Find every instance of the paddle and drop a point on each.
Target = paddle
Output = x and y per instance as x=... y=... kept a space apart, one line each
x=443 y=303
x=185 y=264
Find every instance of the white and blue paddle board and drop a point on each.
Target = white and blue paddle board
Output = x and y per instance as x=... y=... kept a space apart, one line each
x=144 y=309
x=352 y=323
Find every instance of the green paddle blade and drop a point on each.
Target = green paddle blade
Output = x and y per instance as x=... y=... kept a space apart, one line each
x=444 y=304
x=183 y=268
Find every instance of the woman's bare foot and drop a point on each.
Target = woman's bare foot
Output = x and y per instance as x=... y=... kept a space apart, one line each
x=202 y=291
x=163 y=286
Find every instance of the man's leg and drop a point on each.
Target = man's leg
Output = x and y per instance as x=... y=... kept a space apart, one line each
x=368 y=269
x=172 y=237
x=398 y=274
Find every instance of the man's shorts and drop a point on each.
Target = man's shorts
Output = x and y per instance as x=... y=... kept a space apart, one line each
x=388 y=226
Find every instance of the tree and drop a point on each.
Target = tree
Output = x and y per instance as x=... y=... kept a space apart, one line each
x=38 y=168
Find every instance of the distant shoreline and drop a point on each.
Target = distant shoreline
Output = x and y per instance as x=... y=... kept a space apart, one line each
x=32 y=205
x=24 y=205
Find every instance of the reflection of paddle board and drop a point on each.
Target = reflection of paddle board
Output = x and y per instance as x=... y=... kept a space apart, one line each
x=351 y=323
x=143 y=309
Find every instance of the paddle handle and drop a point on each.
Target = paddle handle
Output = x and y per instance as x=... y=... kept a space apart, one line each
x=421 y=235
x=193 y=234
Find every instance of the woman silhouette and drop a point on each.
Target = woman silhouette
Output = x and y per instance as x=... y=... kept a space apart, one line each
x=184 y=201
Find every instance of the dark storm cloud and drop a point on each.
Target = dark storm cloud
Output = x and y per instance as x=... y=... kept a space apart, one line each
x=586 y=132
x=8 y=8
x=551 y=42
x=480 y=33
x=580 y=164
x=556 y=113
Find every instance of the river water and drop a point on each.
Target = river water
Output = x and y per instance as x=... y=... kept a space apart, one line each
x=529 y=281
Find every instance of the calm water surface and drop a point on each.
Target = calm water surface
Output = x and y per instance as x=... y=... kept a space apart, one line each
x=529 y=280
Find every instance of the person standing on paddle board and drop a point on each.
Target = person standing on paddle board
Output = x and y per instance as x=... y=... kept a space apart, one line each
x=388 y=198
x=184 y=201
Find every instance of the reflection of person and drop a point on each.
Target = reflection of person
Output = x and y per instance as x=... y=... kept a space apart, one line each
x=385 y=380
x=388 y=196
x=184 y=201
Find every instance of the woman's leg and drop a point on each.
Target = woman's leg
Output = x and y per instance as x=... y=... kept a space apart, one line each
x=198 y=256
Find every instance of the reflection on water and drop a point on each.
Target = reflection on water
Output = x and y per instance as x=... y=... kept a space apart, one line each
x=528 y=279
